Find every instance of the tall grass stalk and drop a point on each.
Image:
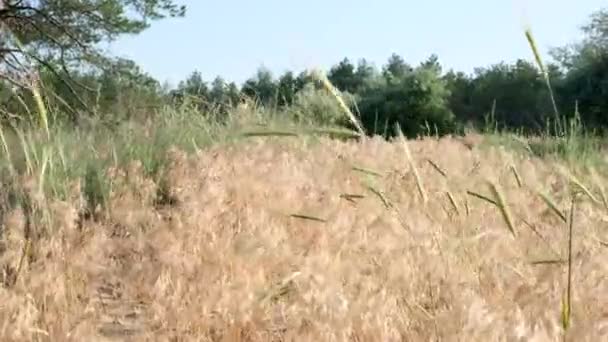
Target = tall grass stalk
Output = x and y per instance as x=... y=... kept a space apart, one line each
x=437 y=168
x=24 y=253
x=35 y=87
x=567 y=306
x=552 y=205
x=482 y=197
x=453 y=202
x=7 y=152
x=42 y=111
x=539 y=61
x=366 y=171
x=502 y=206
x=381 y=196
x=25 y=148
x=408 y=154
x=308 y=217
x=600 y=186
x=579 y=184
x=516 y=175
x=319 y=75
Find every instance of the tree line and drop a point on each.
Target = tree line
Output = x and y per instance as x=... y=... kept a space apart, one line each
x=423 y=98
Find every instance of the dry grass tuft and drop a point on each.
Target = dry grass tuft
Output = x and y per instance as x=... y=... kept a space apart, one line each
x=226 y=260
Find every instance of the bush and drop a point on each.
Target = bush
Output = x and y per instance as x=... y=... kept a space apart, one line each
x=318 y=107
x=416 y=100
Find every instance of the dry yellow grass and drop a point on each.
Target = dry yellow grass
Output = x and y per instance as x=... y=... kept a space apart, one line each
x=236 y=259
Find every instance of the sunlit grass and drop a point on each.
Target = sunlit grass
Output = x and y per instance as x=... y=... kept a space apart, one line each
x=277 y=238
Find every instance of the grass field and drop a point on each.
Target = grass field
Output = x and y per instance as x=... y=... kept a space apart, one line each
x=125 y=237
x=182 y=228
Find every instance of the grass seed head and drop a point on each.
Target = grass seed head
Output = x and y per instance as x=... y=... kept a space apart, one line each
x=502 y=206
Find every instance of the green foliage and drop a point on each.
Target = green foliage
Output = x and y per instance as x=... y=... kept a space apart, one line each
x=60 y=39
x=518 y=92
x=261 y=87
x=342 y=76
x=461 y=101
x=346 y=77
x=85 y=154
x=422 y=99
x=586 y=65
x=116 y=93
x=416 y=100
x=95 y=189
x=287 y=88
x=218 y=92
x=194 y=88
x=68 y=31
x=314 y=106
x=396 y=67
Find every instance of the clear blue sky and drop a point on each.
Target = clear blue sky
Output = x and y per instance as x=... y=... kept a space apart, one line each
x=233 y=38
